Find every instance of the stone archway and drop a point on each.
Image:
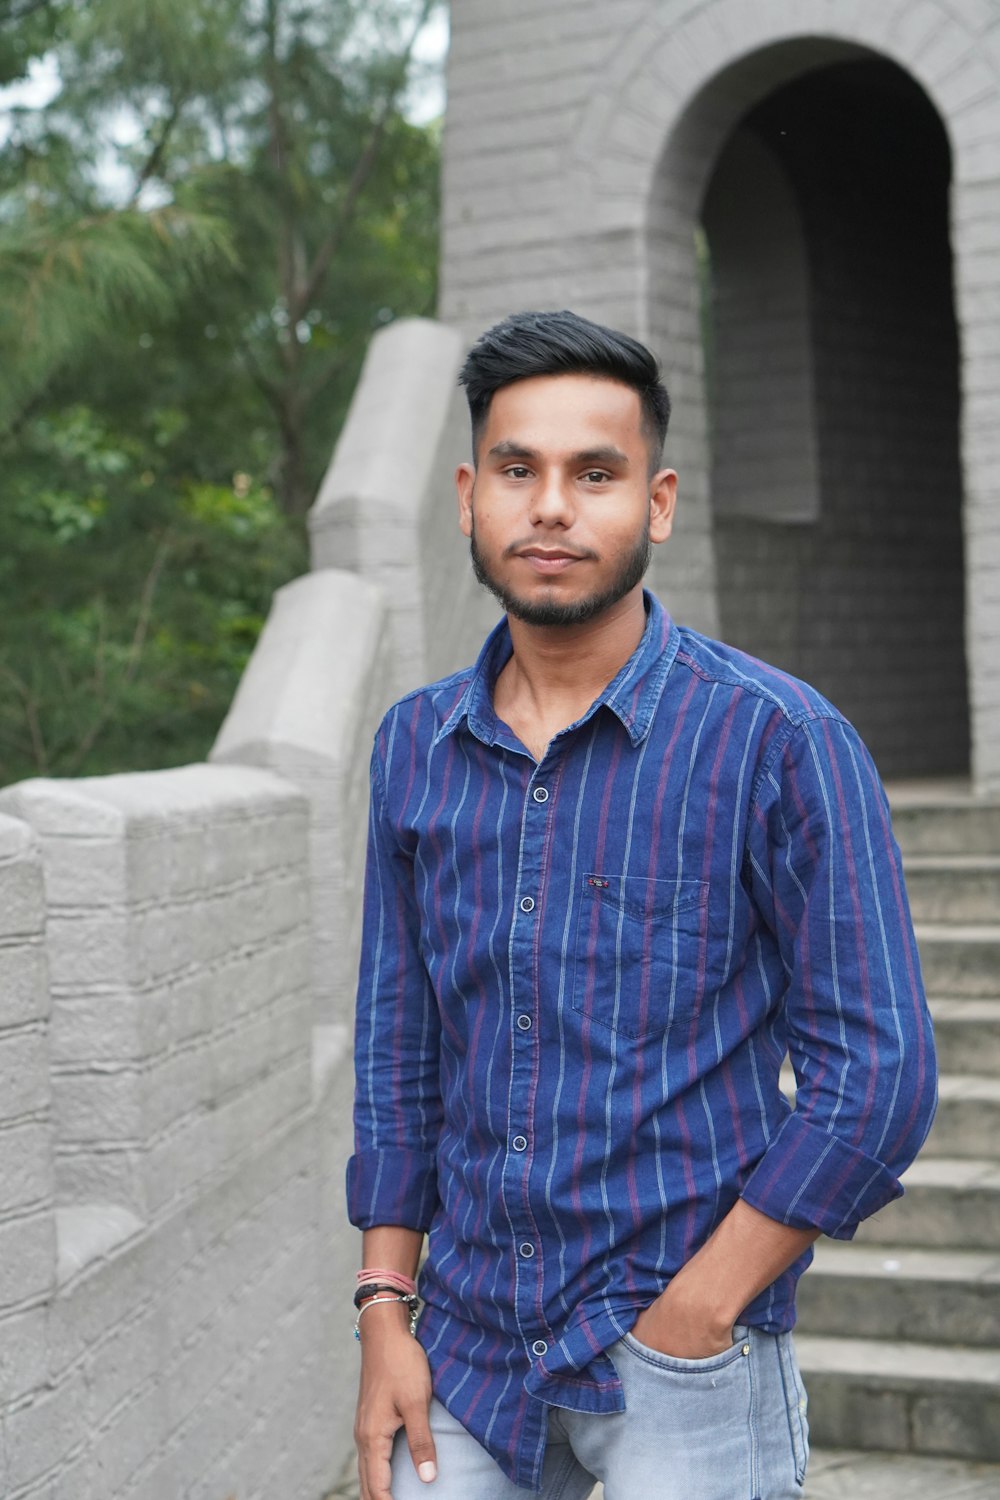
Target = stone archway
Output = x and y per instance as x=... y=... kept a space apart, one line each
x=834 y=405
x=578 y=152
x=670 y=97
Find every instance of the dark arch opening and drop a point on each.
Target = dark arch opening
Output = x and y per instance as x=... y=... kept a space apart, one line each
x=833 y=391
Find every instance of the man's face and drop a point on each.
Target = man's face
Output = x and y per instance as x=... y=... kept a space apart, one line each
x=560 y=508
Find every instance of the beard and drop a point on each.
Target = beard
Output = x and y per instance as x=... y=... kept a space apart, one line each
x=631 y=570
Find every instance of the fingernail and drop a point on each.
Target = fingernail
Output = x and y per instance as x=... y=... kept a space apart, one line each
x=427 y=1472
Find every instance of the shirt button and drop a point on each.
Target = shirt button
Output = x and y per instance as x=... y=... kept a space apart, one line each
x=526 y=1250
x=527 y=903
x=540 y=794
x=524 y=1023
x=539 y=1347
x=520 y=1143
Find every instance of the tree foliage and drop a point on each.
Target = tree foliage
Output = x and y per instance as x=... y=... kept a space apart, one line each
x=198 y=235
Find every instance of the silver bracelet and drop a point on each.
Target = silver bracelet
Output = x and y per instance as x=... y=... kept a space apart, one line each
x=411 y=1301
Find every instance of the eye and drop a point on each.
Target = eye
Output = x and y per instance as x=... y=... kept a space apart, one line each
x=517 y=471
x=596 y=476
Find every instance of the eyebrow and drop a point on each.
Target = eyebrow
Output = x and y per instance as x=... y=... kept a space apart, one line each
x=607 y=454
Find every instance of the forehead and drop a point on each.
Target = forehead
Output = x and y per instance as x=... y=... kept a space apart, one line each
x=565 y=412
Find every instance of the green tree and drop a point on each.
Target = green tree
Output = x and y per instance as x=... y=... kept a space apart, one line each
x=280 y=119
x=199 y=235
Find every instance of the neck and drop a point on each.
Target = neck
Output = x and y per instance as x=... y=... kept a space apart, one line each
x=566 y=664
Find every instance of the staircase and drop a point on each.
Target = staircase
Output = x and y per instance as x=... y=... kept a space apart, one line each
x=899 y=1332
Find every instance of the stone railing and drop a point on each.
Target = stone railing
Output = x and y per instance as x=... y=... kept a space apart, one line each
x=177 y=957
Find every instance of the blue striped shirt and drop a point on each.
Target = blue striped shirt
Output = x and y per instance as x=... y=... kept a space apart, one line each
x=579 y=980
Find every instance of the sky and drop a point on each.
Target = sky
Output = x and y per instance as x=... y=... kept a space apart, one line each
x=425 y=101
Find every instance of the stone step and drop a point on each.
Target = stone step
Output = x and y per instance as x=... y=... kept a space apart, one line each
x=968 y=1117
x=948 y=1201
x=902 y=1397
x=960 y=960
x=849 y=1474
x=954 y=888
x=895 y=1292
x=937 y=823
x=967 y=1034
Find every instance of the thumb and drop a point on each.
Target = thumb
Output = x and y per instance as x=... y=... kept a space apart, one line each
x=421 y=1444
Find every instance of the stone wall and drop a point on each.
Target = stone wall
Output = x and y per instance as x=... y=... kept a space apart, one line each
x=387 y=509
x=863 y=596
x=171 y=1318
x=178 y=952
x=580 y=141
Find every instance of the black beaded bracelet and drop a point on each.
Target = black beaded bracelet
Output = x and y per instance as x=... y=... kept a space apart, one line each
x=370 y=1288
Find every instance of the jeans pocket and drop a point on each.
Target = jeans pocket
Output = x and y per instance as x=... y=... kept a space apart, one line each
x=708 y=1365
x=796 y=1404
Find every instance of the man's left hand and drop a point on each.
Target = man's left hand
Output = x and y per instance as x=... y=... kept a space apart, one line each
x=693 y=1317
x=682 y=1327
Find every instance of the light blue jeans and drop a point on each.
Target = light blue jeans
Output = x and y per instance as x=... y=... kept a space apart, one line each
x=731 y=1427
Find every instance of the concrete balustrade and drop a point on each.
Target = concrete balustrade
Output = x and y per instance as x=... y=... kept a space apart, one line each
x=178 y=952
x=307 y=708
x=170 y=1284
x=387 y=510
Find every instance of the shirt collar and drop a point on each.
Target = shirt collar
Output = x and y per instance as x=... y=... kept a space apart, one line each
x=632 y=694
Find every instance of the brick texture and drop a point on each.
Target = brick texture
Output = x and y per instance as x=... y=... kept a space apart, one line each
x=589 y=195
x=171 y=1263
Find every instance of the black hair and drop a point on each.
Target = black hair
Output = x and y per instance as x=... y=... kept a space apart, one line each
x=562 y=343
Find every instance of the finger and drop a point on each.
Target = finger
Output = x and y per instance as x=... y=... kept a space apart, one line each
x=375 y=1469
x=421 y=1444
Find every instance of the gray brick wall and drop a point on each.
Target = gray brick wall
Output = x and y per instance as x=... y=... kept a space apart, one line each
x=27 y=1198
x=579 y=143
x=173 y=1253
x=307 y=708
x=867 y=600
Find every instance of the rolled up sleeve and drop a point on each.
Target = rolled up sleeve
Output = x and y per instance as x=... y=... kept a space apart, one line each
x=391 y=1177
x=827 y=880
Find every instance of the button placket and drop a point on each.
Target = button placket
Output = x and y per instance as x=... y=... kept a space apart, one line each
x=525 y=936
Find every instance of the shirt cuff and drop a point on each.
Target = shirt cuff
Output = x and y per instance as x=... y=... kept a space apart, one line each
x=810 y=1179
x=392 y=1186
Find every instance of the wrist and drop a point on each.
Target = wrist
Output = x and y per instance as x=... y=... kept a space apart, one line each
x=706 y=1298
x=385 y=1313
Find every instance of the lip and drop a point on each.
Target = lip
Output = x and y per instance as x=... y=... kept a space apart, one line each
x=548 y=562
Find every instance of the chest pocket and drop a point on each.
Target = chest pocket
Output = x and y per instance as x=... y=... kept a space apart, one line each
x=641 y=951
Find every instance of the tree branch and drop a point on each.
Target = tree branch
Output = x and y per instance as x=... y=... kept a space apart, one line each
x=269 y=389
x=152 y=163
x=364 y=166
x=146 y=606
x=30 y=703
x=134 y=654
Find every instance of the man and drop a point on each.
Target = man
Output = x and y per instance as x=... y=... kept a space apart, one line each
x=616 y=870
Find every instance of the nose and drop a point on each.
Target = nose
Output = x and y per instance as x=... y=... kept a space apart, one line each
x=551 y=500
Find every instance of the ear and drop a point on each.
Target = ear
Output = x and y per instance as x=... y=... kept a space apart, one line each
x=662 y=503
x=465 y=480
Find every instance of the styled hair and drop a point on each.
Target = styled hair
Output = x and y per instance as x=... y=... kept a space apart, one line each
x=562 y=343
